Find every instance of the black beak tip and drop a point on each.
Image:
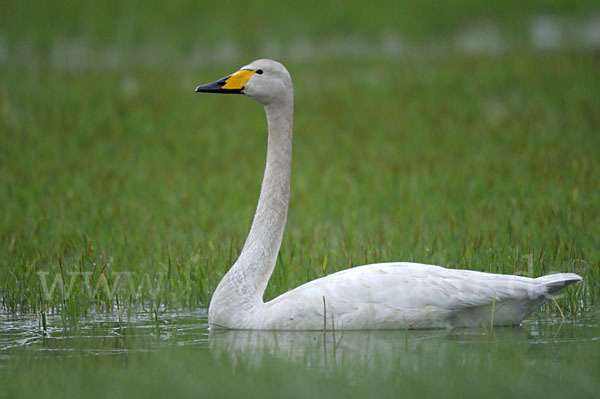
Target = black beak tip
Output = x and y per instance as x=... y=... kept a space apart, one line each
x=207 y=88
x=216 y=87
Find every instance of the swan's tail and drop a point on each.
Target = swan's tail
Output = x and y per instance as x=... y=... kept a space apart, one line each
x=553 y=283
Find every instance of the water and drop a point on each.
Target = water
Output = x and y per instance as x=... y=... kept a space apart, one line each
x=102 y=334
x=173 y=354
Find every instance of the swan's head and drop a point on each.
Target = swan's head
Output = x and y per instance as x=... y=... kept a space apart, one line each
x=266 y=81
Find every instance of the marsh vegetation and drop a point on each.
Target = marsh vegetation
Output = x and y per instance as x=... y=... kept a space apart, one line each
x=460 y=135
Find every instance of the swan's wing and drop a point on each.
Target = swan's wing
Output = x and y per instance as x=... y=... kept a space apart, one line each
x=411 y=285
x=416 y=295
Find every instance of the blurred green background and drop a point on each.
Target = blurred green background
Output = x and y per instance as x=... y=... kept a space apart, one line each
x=181 y=24
x=457 y=133
x=461 y=133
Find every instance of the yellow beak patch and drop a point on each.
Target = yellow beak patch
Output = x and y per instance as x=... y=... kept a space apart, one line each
x=238 y=80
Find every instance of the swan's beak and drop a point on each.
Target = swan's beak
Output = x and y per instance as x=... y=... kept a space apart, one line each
x=231 y=84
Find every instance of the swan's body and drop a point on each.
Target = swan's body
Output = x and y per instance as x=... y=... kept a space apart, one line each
x=378 y=296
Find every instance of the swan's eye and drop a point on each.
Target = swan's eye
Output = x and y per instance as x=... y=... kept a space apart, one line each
x=259 y=71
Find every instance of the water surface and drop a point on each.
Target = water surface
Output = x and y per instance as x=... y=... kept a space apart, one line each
x=106 y=334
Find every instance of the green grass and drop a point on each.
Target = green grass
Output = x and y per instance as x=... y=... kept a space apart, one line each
x=470 y=163
x=182 y=24
x=479 y=162
x=114 y=174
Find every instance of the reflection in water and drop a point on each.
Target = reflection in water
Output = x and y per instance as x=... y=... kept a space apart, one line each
x=359 y=348
x=106 y=335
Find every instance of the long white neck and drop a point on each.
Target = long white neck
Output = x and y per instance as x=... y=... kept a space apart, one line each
x=243 y=286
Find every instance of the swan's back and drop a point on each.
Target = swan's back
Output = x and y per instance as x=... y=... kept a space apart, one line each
x=412 y=295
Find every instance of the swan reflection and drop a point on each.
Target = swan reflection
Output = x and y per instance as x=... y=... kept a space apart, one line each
x=352 y=347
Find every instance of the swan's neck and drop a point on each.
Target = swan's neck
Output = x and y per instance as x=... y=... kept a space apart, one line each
x=243 y=286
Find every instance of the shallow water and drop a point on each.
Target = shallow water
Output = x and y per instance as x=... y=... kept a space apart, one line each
x=175 y=354
x=102 y=334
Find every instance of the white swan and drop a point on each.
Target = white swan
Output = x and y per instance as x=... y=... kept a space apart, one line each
x=378 y=296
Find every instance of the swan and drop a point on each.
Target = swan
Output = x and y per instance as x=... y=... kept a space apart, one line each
x=378 y=296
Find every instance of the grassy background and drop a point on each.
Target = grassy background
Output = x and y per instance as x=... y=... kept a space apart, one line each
x=478 y=161
x=184 y=23
x=430 y=152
